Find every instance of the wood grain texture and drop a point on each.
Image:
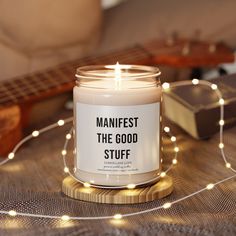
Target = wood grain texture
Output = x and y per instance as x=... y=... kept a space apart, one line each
x=76 y=190
x=10 y=128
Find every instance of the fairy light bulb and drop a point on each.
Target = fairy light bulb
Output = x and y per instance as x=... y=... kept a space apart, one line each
x=176 y=149
x=221 y=101
x=167 y=205
x=11 y=155
x=221 y=145
x=63 y=152
x=131 y=186
x=173 y=138
x=87 y=185
x=195 y=81
x=221 y=122
x=214 y=86
x=165 y=86
x=68 y=136
x=174 y=161
x=163 y=174
x=228 y=165
x=35 y=133
x=61 y=122
x=210 y=186
x=117 y=216
x=167 y=129
x=65 y=217
x=12 y=213
x=66 y=169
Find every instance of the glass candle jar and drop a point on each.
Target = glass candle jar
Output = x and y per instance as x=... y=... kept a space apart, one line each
x=117 y=113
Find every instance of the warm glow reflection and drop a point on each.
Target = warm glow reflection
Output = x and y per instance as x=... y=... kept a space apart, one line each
x=12 y=223
x=169 y=219
x=14 y=167
x=86 y=190
x=130 y=192
x=118 y=222
x=65 y=224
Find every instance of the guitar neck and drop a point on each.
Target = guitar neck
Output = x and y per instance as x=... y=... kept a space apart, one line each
x=39 y=85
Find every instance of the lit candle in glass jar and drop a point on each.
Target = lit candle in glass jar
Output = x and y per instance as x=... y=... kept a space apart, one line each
x=117 y=124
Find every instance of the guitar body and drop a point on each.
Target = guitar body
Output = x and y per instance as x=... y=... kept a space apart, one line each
x=10 y=128
x=13 y=119
x=19 y=96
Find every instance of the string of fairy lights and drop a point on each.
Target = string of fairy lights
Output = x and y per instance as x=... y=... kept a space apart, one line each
x=166 y=87
x=131 y=185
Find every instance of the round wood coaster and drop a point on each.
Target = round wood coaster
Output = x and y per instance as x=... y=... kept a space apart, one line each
x=76 y=190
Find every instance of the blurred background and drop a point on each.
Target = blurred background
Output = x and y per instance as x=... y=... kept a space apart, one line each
x=38 y=34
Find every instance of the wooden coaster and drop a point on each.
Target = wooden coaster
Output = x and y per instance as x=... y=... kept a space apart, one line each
x=76 y=190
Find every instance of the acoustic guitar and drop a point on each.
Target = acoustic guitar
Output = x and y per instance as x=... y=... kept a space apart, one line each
x=18 y=95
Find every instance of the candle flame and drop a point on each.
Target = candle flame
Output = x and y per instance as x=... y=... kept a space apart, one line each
x=117 y=71
x=117 y=76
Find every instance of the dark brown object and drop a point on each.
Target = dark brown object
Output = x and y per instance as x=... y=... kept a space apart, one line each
x=26 y=90
x=196 y=109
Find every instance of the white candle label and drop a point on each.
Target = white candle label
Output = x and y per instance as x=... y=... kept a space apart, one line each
x=118 y=139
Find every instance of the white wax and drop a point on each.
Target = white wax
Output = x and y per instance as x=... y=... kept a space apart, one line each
x=124 y=93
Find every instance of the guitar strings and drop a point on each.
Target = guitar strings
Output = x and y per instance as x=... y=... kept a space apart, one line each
x=122 y=56
x=13 y=95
